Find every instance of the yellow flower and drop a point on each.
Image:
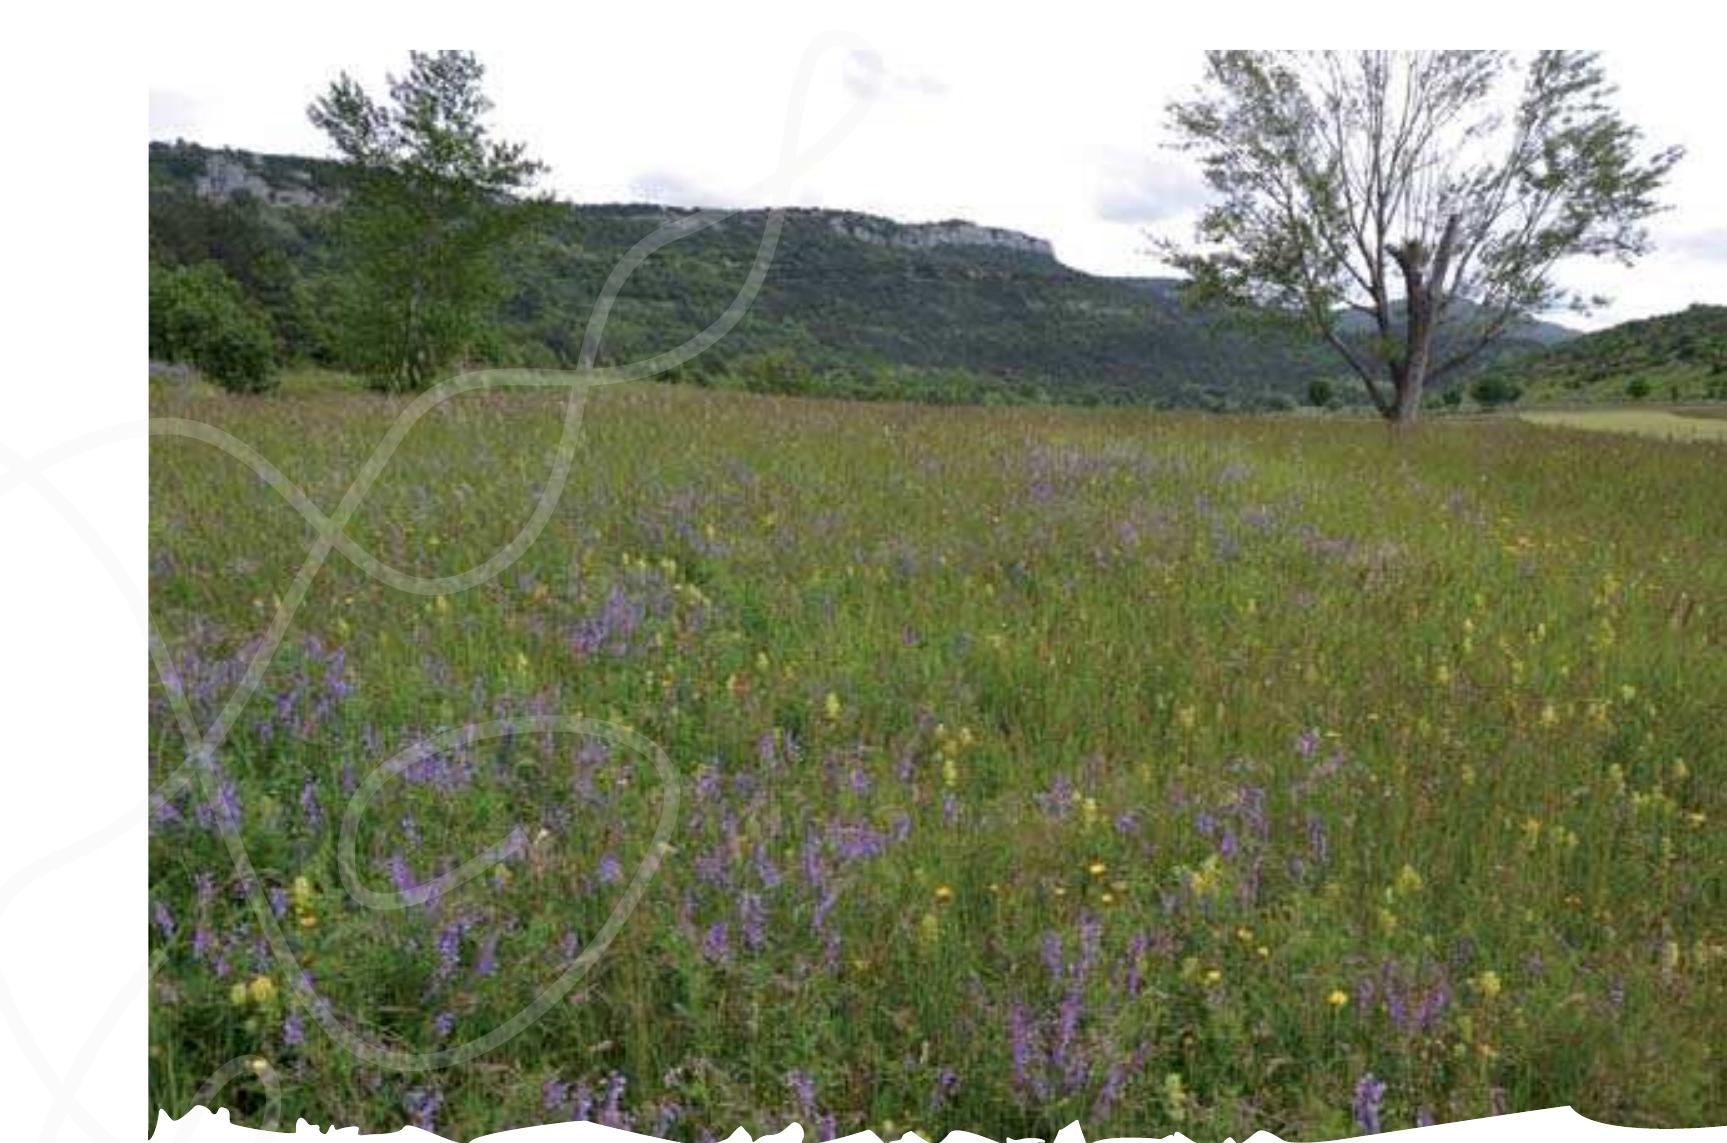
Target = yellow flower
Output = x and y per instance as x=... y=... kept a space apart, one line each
x=262 y=990
x=1488 y=984
x=237 y=995
x=302 y=891
x=1337 y=998
x=260 y=1065
x=1097 y=868
x=307 y=920
x=943 y=894
x=1187 y=717
x=832 y=706
x=1108 y=898
x=1408 y=880
x=1549 y=716
x=1213 y=976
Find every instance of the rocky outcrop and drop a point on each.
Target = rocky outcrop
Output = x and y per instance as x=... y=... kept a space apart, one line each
x=923 y=236
x=226 y=175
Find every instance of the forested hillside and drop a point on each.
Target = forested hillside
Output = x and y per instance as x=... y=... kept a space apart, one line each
x=853 y=304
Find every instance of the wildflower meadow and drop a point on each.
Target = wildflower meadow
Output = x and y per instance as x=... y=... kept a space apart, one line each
x=914 y=768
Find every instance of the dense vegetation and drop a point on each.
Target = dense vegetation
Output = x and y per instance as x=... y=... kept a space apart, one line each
x=1162 y=772
x=1675 y=357
x=838 y=315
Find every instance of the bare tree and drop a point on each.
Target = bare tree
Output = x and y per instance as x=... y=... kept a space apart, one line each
x=1431 y=192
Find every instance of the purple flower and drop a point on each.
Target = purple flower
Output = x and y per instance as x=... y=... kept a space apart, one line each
x=945 y=1085
x=310 y=810
x=486 y=961
x=554 y=1094
x=610 y=871
x=752 y=920
x=1052 y=959
x=164 y=919
x=401 y=876
x=449 y=949
x=421 y=1105
x=1307 y=744
x=716 y=946
x=293 y=1030
x=803 y=1093
x=1369 y=1090
x=443 y=1024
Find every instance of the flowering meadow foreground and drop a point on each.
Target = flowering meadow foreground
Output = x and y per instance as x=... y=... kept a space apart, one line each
x=1160 y=772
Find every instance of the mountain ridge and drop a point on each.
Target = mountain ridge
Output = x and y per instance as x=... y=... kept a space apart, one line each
x=860 y=297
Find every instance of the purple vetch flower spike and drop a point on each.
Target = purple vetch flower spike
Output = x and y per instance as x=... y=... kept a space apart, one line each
x=486 y=960
x=278 y=902
x=443 y=1024
x=1308 y=744
x=946 y=1083
x=293 y=1030
x=1369 y=1091
x=1019 y=1034
x=163 y=918
x=311 y=811
x=753 y=920
x=803 y=1089
x=401 y=876
x=449 y=949
x=765 y=871
x=554 y=1094
x=1423 y=1117
x=1052 y=958
x=421 y=1105
x=716 y=946
x=610 y=871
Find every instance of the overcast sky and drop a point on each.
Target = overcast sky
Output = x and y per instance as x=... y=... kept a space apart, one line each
x=1055 y=131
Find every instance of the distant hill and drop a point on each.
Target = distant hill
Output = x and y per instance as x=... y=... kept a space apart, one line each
x=1677 y=356
x=862 y=300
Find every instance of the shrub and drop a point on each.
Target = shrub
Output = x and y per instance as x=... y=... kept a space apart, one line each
x=200 y=315
x=1320 y=392
x=1637 y=389
x=1493 y=391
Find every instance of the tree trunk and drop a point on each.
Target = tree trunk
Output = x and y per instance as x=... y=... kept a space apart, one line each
x=1409 y=390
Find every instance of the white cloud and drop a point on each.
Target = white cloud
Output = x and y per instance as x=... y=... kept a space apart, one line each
x=172 y=114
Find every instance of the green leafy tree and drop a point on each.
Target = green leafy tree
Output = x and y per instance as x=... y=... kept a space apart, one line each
x=1320 y=392
x=1494 y=390
x=434 y=197
x=199 y=315
x=1397 y=186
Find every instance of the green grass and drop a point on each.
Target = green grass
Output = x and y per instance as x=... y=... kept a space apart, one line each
x=1678 y=426
x=1162 y=772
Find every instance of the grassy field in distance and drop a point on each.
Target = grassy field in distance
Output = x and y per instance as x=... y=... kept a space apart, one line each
x=1167 y=772
x=1668 y=425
